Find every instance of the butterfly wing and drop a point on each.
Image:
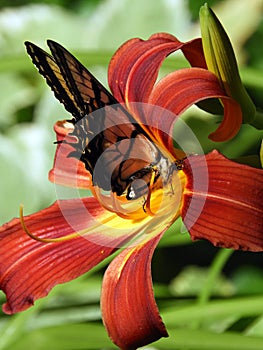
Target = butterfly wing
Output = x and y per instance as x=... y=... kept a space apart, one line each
x=110 y=134
x=73 y=85
x=48 y=67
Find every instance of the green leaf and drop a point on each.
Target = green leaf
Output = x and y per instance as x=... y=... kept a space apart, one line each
x=14 y=328
x=191 y=280
x=179 y=316
x=137 y=19
x=203 y=340
x=15 y=95
x=24 y=164
x=67 y=337
x=248 y=280
x=256 y=329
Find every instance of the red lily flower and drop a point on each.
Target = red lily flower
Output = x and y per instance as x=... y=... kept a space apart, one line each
x=178 y=90
x=218 y=199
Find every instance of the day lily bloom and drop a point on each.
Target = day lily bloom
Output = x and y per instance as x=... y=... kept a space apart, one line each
x=218 y=200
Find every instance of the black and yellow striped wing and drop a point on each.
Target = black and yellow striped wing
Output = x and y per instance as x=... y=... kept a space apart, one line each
x=73 y=85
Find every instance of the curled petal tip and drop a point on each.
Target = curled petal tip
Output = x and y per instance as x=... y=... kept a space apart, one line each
x=67 y=171
x=231 y=122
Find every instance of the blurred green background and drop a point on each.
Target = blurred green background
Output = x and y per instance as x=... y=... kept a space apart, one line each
x=209 y=298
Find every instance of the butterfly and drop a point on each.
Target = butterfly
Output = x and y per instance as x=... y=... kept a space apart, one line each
x=115 y=149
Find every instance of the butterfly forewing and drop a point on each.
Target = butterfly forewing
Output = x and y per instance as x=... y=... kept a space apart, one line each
x=48 y=67
x=89 y=94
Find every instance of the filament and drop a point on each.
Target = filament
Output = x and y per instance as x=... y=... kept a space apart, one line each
x=147 y=204
x=57 y=239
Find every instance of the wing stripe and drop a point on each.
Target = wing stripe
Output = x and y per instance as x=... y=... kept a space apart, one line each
x=63 y=59
x=49 y=69
x=85 y=87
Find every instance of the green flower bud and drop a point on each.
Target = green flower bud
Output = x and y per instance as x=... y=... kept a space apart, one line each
x=221 y=60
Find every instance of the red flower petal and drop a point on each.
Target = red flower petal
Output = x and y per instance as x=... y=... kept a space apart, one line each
x=134 y=67
x=30 y=269
x=193 y=52
x=223 y=202
x=129 y=311
x=126 y=56
x=68 y=171
x=185 y=87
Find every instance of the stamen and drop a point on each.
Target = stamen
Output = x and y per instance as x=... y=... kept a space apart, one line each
x=125 y=214
x=43 y=240
x=112 y=204
x=63 y=238
x=117 y=207
x=148 y=199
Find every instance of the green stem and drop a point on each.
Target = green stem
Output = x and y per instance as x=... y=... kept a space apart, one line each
x=213 y=273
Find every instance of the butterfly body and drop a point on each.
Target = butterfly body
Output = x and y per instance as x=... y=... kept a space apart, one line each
x=114 y=148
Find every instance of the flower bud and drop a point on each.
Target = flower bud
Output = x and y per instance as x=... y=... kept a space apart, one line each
x=221 y=60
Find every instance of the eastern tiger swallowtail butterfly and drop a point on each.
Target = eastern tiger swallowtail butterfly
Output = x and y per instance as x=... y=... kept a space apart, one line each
x=129 y=161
